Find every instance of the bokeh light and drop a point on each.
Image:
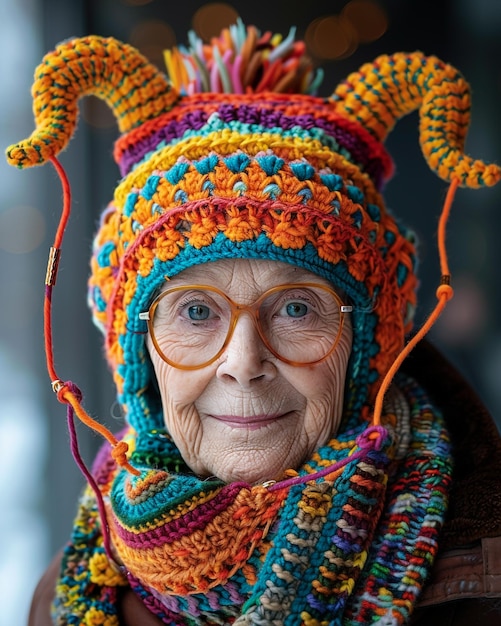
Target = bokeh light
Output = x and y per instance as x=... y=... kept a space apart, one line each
x=337 y=36
x=330 y=37
x=151 y=38
x=368 y=18
x=22 y=229
x=210 y=19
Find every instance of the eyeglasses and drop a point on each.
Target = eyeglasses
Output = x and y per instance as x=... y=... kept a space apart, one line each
x=192 y=325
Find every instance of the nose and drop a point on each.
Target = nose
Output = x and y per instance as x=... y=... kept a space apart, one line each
x=246 y=359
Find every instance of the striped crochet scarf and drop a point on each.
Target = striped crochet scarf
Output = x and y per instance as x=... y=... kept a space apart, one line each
x=352 y=548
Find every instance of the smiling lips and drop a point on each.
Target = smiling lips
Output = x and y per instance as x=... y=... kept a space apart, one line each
x=250 y=423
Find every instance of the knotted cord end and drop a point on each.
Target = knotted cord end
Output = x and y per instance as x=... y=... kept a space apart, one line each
x=119 y=453
x=372 y=437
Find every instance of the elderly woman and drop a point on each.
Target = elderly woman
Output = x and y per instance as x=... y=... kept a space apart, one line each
x=255 y=294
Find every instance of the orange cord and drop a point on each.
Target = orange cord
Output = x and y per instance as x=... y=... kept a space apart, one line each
x=444 y=293
x=62 y=390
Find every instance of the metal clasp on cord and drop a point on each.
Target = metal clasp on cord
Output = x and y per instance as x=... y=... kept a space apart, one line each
x=52 y=266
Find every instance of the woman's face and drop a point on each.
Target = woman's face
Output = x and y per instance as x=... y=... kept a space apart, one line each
x=248 y=416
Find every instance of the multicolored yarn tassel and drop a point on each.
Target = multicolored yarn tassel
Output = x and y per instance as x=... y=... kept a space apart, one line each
x=241 y=60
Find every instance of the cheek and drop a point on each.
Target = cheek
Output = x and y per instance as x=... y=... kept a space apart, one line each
x=337 y=363
x=179 y=391
x=323 y=387
x=177 y=387
x=326 y=379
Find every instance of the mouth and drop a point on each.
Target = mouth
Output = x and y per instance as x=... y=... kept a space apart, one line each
x=251 y=422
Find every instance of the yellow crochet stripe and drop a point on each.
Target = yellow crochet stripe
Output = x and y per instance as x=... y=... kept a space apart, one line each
x=134 y=89
x=227 y=142
x=308 y=620
x=95 y=617
x=102 y=573
x=382 y=92
x=168 y=517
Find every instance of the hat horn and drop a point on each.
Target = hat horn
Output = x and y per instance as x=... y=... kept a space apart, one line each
x=382 y=92
x=134 y=89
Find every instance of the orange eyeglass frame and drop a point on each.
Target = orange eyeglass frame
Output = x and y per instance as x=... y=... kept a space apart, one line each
x=236 y=310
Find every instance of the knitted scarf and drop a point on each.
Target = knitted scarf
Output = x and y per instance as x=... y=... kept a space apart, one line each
x=352 y=548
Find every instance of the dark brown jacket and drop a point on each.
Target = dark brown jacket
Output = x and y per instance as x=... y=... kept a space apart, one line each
x=465 y=585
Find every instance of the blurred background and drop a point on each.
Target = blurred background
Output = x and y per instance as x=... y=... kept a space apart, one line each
x=42 y=484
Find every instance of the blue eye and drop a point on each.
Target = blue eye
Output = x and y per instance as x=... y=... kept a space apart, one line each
x=296 y=309
x=199 y=312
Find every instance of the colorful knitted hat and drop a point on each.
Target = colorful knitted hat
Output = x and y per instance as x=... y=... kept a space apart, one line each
x=233 y=157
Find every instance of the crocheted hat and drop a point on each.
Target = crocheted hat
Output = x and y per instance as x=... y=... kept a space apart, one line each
x=233 y=157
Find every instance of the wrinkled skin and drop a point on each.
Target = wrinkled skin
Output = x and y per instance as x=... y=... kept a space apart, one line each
x=215 y=414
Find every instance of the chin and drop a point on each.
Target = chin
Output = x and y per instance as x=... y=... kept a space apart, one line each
x=254 y=472
x=239 y=475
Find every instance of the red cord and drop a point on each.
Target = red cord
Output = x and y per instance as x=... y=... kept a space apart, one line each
x=63 y=390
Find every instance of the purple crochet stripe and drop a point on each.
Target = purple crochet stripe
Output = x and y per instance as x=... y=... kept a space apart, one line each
x=184 y=525
x=269 y=118
x=154 y=604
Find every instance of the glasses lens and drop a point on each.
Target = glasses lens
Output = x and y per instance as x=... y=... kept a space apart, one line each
x=301 y=324
x=190 y=325
x=298 y=323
